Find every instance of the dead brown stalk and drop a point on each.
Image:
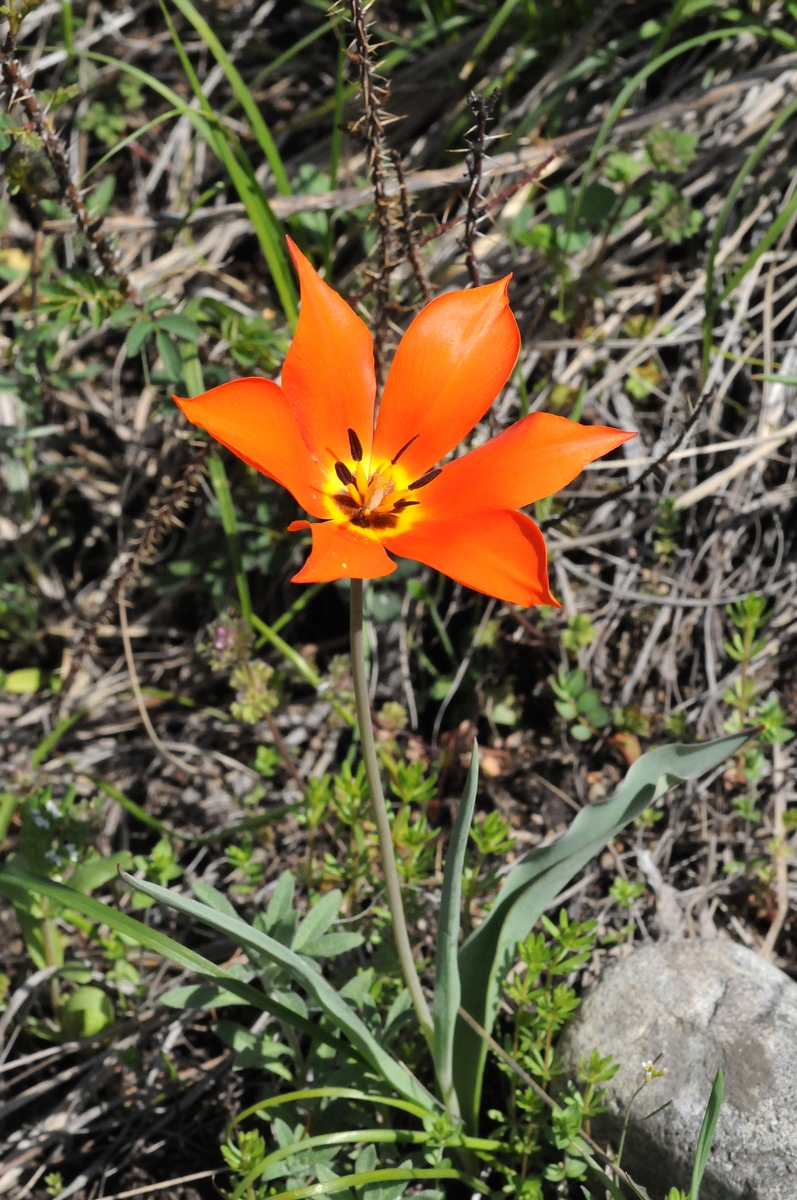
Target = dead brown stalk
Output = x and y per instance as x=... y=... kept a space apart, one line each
x=21 y=91
x=151 y=537
x=370 y=128
x=483 y=110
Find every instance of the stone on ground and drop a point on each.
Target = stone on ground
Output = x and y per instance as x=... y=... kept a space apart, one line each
x=701 y=1005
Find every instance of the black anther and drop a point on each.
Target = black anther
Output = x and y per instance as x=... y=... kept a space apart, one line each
x=343 y=473
x=427 y=478
x=355 y=445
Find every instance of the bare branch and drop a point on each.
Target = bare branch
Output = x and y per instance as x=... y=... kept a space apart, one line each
x=370 y=128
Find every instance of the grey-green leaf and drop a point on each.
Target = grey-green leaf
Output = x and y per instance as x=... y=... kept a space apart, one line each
x=335 y=1007
x=333 y=943
x=447 y=990
x=535 y=881
x=16 y=879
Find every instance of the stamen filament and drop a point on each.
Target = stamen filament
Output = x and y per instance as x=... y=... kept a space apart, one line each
x=406 y=446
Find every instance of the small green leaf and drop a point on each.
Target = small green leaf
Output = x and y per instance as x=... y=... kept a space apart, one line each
x=596 y=203
x=87 y=1012
x=670 y=149
x=181 y=326
x=558 y=200
x=26 y=679
x=137 y=335
x=172 y=363
x=620 y=167
x=318 y=920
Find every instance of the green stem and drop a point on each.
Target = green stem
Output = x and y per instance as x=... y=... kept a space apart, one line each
x=53 y=958
x=363 y=707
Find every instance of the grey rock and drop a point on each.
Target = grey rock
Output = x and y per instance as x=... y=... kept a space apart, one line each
x=701 y=1005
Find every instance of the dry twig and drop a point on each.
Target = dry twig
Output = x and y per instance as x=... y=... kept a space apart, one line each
x=407 y=233
x=370 y=128
x=20 y=90
x=483 y=110
x=160 y=524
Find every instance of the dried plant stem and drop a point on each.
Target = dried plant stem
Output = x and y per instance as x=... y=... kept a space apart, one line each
x=163 y=520
x=20 y=90
x=371 y=129
x=410 y=245
x=392 y=885
x=140 y=702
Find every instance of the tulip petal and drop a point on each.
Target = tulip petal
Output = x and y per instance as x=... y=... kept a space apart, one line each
x=253 y=418
x=499 y=553
x=328 y=374
x=531 y=459
x=340 y=552
x=450 y=365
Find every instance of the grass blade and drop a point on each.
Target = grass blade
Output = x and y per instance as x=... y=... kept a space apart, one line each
x=326 y=1093
x=242 y=94
x=706 y=1136
x=338 y=1138
x=229 y=522
x=266 y=226
x=625 y=94
x=268 y=229
x=710 y=303
x=447 y=988
x=390 y=1175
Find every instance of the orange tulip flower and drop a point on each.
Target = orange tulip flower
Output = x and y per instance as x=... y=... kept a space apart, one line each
x=377 y=486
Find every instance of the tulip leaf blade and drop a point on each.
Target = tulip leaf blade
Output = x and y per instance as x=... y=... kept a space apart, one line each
x=306 y=975
x=447 y=987
x=538 y=878
x=15 y=877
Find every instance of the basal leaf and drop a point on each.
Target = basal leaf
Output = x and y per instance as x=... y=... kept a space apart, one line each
x=447 y=990
x=535 y=881
x=330 y=1001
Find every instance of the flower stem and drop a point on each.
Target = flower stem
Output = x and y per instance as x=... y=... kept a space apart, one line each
x=363 y=707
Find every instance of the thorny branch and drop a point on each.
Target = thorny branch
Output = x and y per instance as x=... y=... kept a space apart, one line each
x=408 y=236
x=494 y=202
x=370 y=128
x=483 y=110
x=20 y=90
x=163 y=520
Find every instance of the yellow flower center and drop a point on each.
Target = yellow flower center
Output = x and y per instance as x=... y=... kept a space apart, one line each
x=374 y=501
